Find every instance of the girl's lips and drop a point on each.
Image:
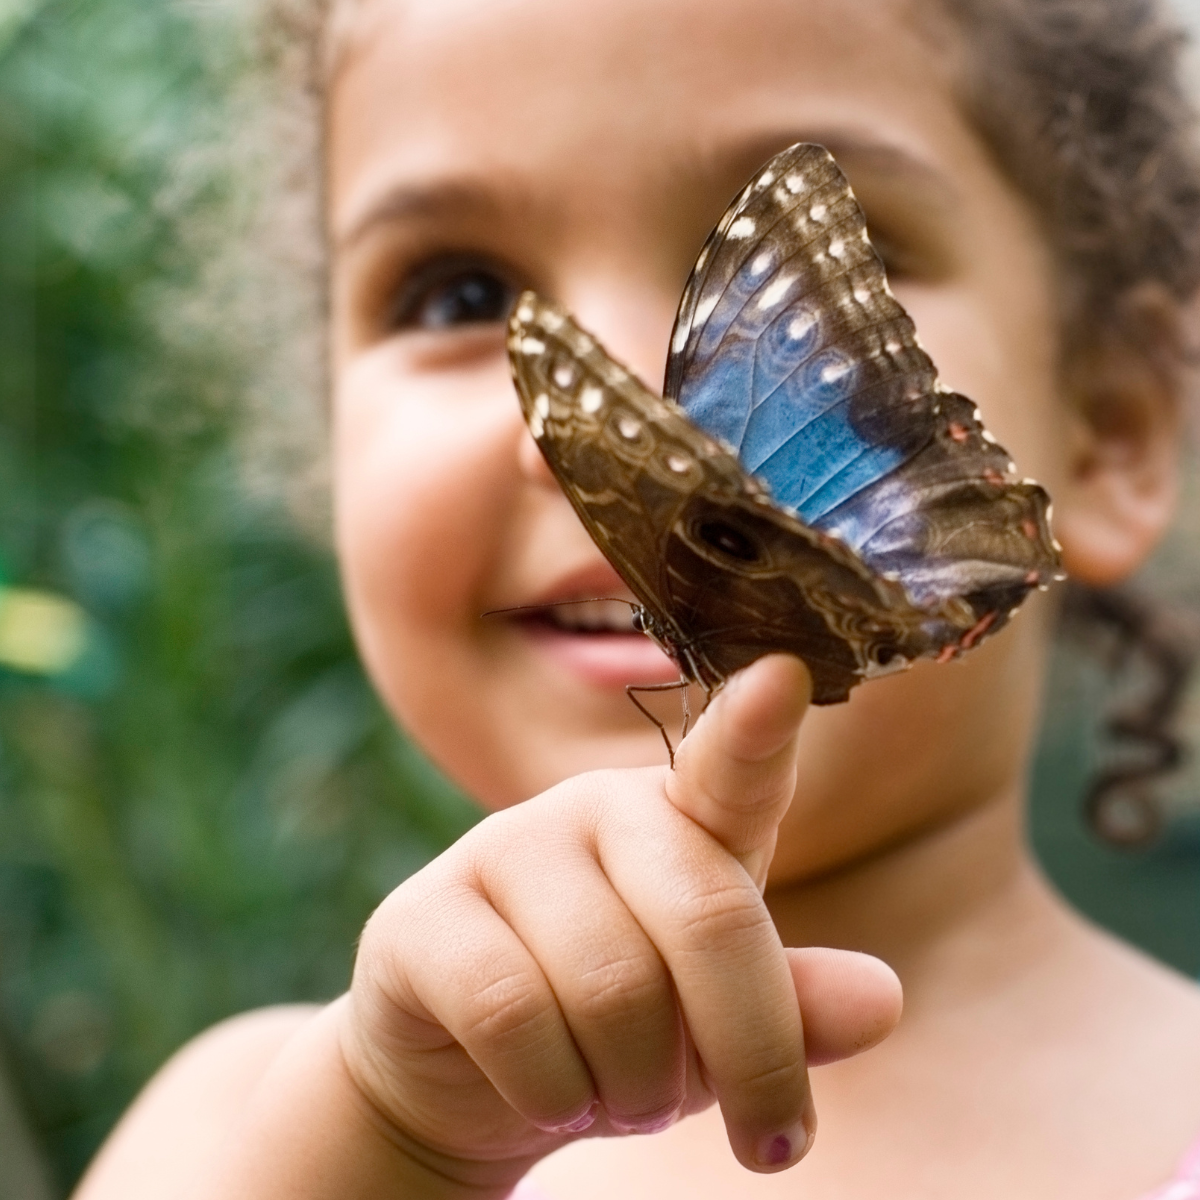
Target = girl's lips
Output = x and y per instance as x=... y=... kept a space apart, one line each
x=592 y=639
x=605 y=659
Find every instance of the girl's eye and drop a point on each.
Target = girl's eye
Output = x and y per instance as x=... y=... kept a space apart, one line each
x=443 y=296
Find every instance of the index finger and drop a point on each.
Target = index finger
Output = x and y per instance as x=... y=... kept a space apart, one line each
x=736 y=771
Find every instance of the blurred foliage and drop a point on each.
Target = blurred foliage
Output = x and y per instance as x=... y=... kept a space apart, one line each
x=197 y=816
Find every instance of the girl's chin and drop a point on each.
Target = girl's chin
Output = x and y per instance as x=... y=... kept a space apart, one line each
x=602 y=660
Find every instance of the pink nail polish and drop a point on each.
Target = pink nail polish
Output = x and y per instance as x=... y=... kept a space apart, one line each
x=784 y=1148
x=579 y=1124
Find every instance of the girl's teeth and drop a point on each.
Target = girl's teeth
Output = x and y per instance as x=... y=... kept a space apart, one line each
x=593 y=616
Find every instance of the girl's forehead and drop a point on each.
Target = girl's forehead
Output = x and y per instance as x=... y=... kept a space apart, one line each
x=466 y=66
x=614 y=87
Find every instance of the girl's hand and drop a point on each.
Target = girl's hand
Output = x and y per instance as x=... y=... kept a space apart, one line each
x=599 y=961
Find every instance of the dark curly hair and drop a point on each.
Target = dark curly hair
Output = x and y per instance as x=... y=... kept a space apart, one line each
x=1083 y=104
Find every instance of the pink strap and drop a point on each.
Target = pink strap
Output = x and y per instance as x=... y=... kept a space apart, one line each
x=1186 y=1184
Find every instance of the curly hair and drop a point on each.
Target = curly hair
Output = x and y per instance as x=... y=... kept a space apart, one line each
x=1084 y=107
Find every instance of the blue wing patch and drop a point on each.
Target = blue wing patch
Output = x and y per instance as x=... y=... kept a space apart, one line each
x=790 y=347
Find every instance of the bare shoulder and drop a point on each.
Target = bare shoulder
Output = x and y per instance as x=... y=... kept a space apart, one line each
x=1142 y=1020
x=189 y=1106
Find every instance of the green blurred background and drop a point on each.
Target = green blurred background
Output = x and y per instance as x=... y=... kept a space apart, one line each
x=200 y=798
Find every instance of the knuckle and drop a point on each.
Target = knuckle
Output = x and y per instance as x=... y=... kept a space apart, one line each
x=772 y=1078
x=505 y=1010
x=613 y=987
x=720 y=914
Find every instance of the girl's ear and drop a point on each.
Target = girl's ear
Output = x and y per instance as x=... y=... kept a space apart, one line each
x=1123 y=461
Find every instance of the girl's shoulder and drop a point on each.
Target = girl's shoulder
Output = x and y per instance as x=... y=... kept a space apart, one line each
x=188 y=1108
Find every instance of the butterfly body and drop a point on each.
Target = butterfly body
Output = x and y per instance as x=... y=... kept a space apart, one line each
x=806 y=485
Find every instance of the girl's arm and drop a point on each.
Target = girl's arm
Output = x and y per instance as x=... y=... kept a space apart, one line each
x=563 y=971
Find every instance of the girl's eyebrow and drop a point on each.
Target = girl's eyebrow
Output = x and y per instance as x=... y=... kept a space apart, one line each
x=457 y=198
x=418 y=201
x=865 y=153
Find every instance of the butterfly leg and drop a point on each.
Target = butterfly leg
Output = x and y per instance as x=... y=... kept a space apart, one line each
x=681 y=685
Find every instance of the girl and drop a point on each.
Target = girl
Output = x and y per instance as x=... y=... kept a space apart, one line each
x=599 y=958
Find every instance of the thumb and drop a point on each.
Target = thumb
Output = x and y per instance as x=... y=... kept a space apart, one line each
x=736 y=771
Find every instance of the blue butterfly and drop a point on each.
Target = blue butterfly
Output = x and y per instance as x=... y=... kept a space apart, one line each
x=805 y=484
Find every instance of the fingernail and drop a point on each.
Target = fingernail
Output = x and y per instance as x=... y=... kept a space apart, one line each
x=579 y=1124
x=655 y=1123
x=783 y=1148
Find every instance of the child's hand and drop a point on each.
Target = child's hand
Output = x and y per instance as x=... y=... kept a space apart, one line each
x=599 y=960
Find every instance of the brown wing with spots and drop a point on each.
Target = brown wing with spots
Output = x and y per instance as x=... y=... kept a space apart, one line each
x=726 y=575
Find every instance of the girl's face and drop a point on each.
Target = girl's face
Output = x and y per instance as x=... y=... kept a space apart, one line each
x=586 y=149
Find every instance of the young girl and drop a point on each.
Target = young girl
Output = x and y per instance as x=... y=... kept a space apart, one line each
x=598 y=959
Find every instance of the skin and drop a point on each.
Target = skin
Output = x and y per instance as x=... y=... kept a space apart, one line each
x=579 y=955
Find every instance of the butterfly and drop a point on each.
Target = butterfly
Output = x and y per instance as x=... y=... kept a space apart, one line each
x=805 y=484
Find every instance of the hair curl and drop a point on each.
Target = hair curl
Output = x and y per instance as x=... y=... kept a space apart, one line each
x=1084 y=107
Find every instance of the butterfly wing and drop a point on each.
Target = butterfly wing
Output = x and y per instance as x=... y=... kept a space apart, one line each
x=790 y=346
x=724 y=574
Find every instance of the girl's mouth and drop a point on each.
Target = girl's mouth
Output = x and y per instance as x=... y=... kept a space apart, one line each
x=595 y=640
x=589 y=616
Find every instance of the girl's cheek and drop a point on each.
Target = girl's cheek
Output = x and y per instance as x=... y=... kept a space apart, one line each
x=422 y=477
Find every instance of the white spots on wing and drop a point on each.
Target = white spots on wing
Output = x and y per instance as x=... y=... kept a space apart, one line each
x=532 y=346
x=866 y=237
x=988 y=437
x=766 y=179
x=591 y=399
x=835 y=371
x=701 y=260
x=629 y=428
x=564 y=375
x=707 y=304
x=978 y=415
x=553 y=321
x=742 y=229
x=537 y=418
x=761 y=262
x=801 y=325
x=818 y=211
x=837 y=249
x=678 y=464
x=893 y=346
x=794 y=183
x=525 y=313
x=775 y=291
x=681 y=336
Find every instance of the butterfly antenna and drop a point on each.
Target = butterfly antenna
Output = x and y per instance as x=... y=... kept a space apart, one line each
x=499 y=612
